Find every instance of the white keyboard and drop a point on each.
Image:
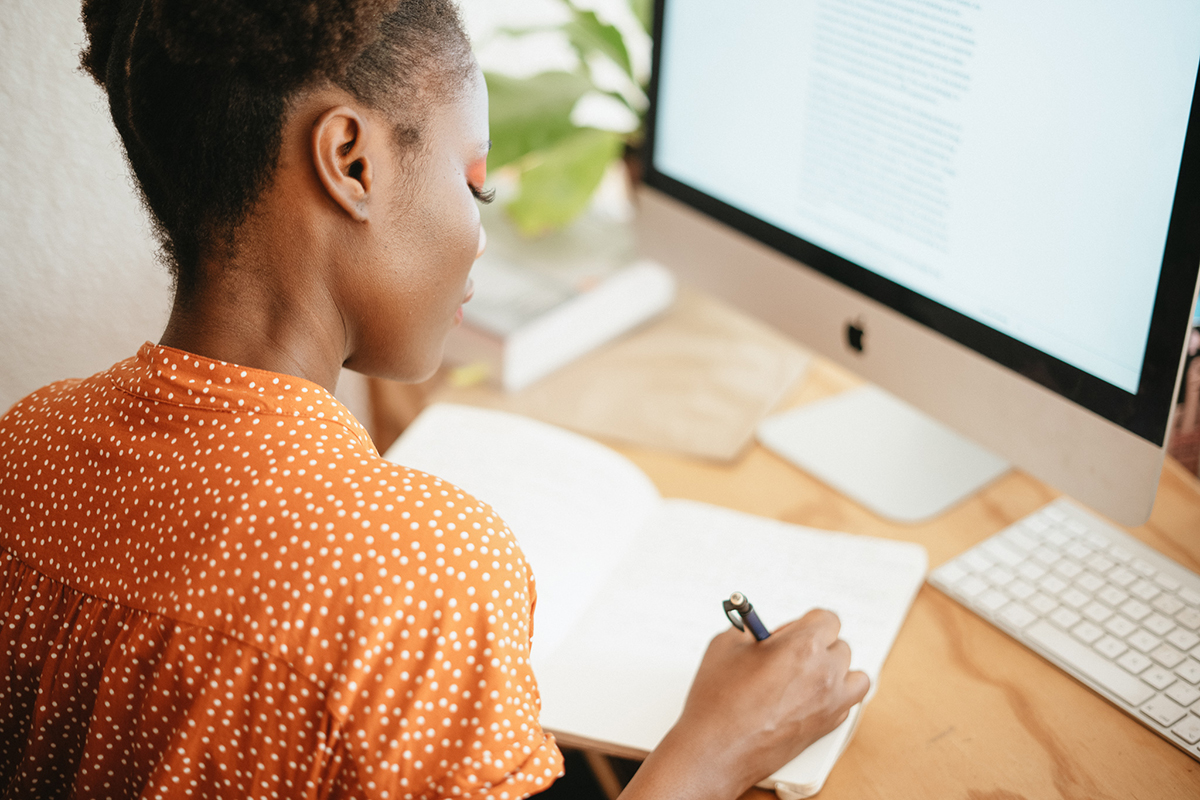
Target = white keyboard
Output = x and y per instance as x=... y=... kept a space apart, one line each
x=1103 y=606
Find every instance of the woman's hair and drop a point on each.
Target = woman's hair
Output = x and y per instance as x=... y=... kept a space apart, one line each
x=199 y=90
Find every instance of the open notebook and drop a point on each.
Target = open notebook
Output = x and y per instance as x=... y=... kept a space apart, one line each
x=608 y=553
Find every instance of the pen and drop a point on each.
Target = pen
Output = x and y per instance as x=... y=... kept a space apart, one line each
x=742 y=615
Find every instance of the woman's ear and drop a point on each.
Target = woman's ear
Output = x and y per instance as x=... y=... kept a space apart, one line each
x=340 y=155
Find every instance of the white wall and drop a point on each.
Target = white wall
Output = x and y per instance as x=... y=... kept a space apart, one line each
x=79 y=284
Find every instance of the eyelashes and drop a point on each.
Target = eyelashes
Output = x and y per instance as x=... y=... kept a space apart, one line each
x=484 y=196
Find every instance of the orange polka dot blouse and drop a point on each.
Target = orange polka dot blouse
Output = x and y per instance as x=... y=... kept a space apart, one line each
x=212 y=586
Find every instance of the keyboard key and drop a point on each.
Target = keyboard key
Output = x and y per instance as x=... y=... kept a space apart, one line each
x=1098 y=541
x=950 y=574
x=1190 y=671
x=1035 y=524
x=1143 y=640
x=1164 y=711
x=1158 y=677
x=1076 y=527
x=1190 y=596
x=976 y=561
x=1099 y=563
x=992 y=600
x=1134 y=661
x=1167 y=582
x=1030 y=571
x=1054 y=514
x=1184 y=640
x=1057 y=538
x=1068 y=569
x=1066 y=618
x=1052 y=584
x=1086 y=632
x=1119 y=626
x=1158 y=624
x=1183 y=694
x=1144 y=589
x=1016 y=538
x=1077 y=599
x=1135 y=609
x=1121 y=577
x=1145 y=567
x=1000 y=551
x=1078 y=551
x=1168 y=604
x=1097 y=612
x=1110 y=646
x=1044 y=605
x=1017 y=615
x=1166 y=655
x=999 y=576
x=1112 y=595
x=1020 y=589
x=1189 y=618
x=1189 y=729
x=1046 y=556
x=971 y=586
x=1090 y=582
x=1120 y=554
x=1085 y=660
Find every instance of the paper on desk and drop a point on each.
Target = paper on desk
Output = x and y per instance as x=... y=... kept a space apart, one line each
x=696 y=381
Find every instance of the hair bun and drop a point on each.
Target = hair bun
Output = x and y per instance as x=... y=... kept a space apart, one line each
x=100 y=23
x=273 y=39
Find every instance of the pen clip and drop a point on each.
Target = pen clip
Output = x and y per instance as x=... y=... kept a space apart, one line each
x=735 y=607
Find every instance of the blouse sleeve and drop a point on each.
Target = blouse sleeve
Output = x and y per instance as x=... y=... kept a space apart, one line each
x=439 y=699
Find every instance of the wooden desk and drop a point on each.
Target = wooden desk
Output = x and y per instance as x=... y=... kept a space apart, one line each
x=962 y=710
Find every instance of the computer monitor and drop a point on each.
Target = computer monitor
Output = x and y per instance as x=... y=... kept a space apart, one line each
x=1003 y=197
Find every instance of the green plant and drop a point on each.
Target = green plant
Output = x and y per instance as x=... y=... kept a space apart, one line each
x=558 y=164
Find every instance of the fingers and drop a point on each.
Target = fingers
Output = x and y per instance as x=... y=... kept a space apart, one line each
x=824 y=624
x=820 y=628
x=839 y=653
x=857 y=685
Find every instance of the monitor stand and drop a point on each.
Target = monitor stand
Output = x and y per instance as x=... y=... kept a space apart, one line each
x=882 y=453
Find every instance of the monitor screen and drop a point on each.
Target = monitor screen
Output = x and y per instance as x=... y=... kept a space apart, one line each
x=1005 y=173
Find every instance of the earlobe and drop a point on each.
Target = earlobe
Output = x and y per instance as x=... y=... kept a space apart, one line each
x=339 y=153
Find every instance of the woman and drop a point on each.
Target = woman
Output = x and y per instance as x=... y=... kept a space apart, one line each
x=210 y=583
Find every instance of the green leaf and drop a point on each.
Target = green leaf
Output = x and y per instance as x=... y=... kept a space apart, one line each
x=559 y=185
x=588 y=34
x=644 y=11
x=530 y=114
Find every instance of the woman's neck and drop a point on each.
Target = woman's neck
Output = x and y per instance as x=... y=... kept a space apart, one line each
x=262 y=310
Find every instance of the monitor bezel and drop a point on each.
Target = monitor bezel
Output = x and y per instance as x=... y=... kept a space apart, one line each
x=1145 y=414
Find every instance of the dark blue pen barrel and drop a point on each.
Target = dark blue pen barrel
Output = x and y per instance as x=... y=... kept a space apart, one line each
x=755 y=625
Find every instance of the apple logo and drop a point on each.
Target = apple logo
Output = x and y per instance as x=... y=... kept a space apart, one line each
x=854 y=335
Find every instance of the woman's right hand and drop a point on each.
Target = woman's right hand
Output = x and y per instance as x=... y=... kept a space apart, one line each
x=753 y=707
